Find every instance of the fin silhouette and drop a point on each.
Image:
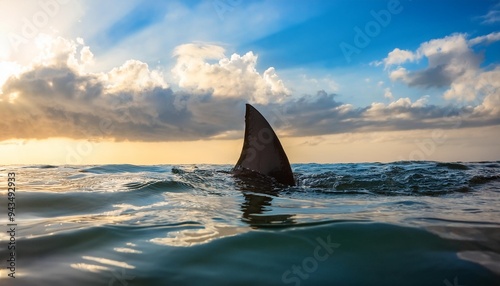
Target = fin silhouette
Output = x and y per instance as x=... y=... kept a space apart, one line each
x=262 y=151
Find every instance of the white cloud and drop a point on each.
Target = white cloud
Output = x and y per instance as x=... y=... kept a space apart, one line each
x=401 y=102
x=344 y=108
x=421 y=102
x=55 y=51
x=434 y=50
x=400 y=109
x=452 y=63
x=456 y=43
x=486 y=39
x=275 y=83
x=133 y=75
x=475 y=86
x=399 y=74
x=235 y=77
x=388 y=93
x=448 y=58
x=198 y=52
x=398 y=56
x=86 y=56
x=8 y=69
x=490 y=104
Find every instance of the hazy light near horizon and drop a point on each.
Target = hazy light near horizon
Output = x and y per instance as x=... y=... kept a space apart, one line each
x=444 y=145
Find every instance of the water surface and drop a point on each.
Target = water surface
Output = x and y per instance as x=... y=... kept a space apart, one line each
x=403 y=223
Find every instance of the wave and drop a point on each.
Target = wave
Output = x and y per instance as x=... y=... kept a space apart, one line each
x=452 y=166
x=415 y=223
x=166 y=185
x=477 y=180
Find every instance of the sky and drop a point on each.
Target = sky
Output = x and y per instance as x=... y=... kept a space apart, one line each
x=166 y=82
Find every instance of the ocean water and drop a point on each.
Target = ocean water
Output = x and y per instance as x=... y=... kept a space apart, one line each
x=402 y=223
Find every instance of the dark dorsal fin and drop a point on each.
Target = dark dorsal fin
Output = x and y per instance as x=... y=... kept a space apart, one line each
x=262 y=151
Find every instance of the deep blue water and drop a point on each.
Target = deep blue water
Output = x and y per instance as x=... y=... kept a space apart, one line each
x=403 y=223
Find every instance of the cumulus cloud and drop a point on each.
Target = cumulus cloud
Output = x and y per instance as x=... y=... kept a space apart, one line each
x=398 y=56
x=233 y=77
x=133 y=76
x=453 y=64
x=399 y=74
x=449 y=58
x=57 y=97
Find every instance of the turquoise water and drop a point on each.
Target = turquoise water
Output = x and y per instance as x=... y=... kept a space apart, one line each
x=404 y=223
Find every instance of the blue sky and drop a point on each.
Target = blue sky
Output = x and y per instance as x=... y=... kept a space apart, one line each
x=315 y=42
x=304 y=37
x=321 y=71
